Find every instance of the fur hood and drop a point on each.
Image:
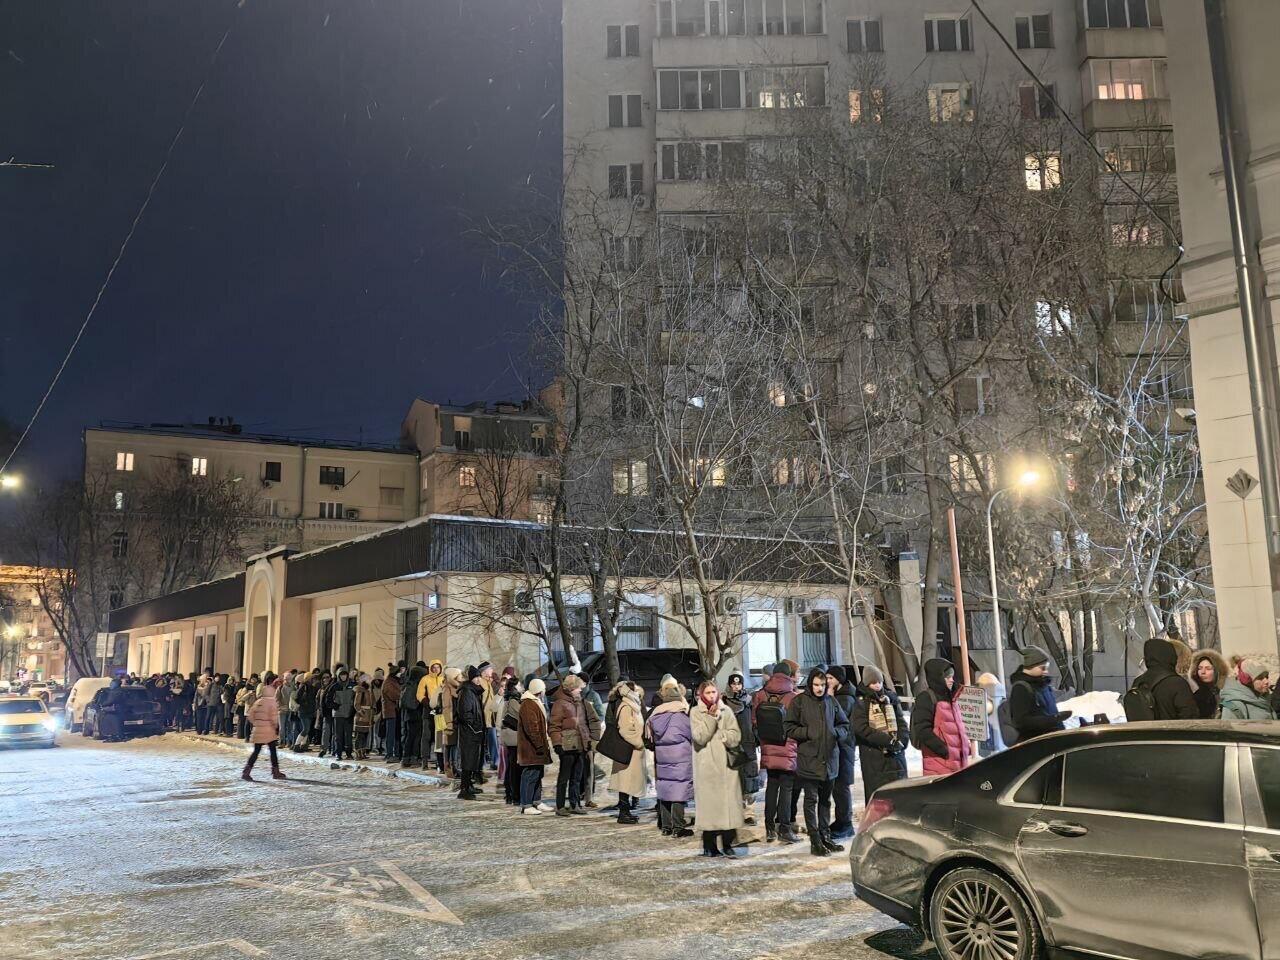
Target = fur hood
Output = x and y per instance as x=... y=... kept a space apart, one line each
x=1220 y=666
x=679 y=705
x=628 y=690
x=1185 y=653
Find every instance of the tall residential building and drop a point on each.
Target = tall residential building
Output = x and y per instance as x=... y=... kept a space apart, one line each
x=29 y=647
x=1247 y=618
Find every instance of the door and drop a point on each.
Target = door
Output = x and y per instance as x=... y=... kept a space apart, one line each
x=1260 y=789
x=1140 y=833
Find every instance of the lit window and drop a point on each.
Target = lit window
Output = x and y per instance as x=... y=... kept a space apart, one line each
x=949 y=102
x=466 y=476
x=1043 y=171
x=124 y=460
x=968 y=474
x=118 y=500
x=870 y=107
x=777 y=394
x=1129 y=79
x=1052 y=319
x=199 y=466
x=703 y=470
x=631 y=478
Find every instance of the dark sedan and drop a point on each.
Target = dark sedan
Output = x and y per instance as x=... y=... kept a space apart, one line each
x=1139 y=841
x=121 y=713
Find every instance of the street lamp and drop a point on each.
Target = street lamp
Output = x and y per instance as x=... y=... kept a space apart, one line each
x=10 y=481
x=1027 y=480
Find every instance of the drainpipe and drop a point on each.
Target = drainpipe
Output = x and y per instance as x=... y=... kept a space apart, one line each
x=1259 y=340
x=302 y=489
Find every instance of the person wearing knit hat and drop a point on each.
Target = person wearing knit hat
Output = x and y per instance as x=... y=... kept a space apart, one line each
x=1033 y=657
x=469 y=724
x=533 y=747
x=1033 y=709
x=880 y=732
x=784 y=668
x=1247 y=695
x=737 y=700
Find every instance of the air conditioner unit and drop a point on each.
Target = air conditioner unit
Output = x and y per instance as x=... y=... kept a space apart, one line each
x=353 y=514
x=518 y=601
x=640 y=201
x=797 y=605
x=730 y=605
x=859 y=608
x=686 y=603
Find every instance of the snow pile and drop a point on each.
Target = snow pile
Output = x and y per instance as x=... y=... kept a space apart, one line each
x=1087 y=705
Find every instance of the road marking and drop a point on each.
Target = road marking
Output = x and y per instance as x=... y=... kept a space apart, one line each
x=355 y=884
x=242 y=947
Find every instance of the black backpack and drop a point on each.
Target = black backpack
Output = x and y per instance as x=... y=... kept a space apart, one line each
x=770 y=715
x=1008 y=732
x=1140 y=700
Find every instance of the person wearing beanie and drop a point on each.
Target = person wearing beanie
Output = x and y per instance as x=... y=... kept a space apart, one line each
x=668 y=682
x=818 y=726
x=736 y=699
x=533 y=747
x=1169 y=690
x=843 y=693
x=570 y=738
x=880 y=732
x=1247 y=695
x=994 y=690
x=1033 y=709
x=777 y=752
x=469 y=725
x=669 y=730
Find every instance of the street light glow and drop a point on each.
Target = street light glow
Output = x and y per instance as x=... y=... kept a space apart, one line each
x=1029 y=478
x=10 y=481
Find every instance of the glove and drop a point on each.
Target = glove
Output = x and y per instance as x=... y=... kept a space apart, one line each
x=559 y=750
x=1064 y=714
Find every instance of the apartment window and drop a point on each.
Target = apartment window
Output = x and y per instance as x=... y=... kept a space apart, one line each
x=968 y=474
x=969 y=321
x=631 y=478
x=1129 y=79
x=538 y=439
x=1135 y=152
x=624 y=252
x=115 y=597
x=785 y=88
x=635 y=629
x=625 y=180
x=1043 y=171
x=762 y=639
x=271 y=471
x=199 y=466
x=947 y=34
x=391 y=496
x=975 y=395
x=466 y=476
x=622 y=40
x=705 y=471
x=542 y=515
x=1143 y=301
x=350 y=631
x=793 y=471
x=863 y=36
x=1115 y=14
x=624 y=109
x=890 y=475
x=407 y=633
x=1034 y=31
x=866 y=105
x=699 y=89
x=117 y=500
x=462 y=433
x=1034 y=103
x=124 y=461
x=703 y=160
x=324 y=644
x=682 y=18
x=120 y=544
x=1132 y=226
x=815 y=639
x=949 y=102
x=330 y=510
x=1166 y=380
x=333 y=476
x=1052 y=319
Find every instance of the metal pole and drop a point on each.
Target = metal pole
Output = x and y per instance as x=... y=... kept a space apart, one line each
x=995 y=592
x=1259 y=339
x=959 y=590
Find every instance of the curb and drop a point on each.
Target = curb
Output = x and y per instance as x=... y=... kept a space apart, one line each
x=239 y=746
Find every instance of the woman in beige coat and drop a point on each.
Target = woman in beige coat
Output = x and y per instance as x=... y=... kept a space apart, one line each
x=628 y=780
x=717 y=788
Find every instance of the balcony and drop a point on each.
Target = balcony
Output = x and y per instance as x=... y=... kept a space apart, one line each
x=1127 y=114
x=714 y=51
x=1126 y=42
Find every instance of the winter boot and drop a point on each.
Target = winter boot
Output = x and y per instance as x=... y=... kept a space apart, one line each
x=709 y=848
x=278 y=774
x=245 y=775
x=727 y=839
x=770 y=833
x=831 y=845
x=787 y=833
x=816 y=846
x=629 y=818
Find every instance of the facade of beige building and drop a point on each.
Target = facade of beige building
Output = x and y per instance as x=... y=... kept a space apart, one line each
x=29 y=647
x=1247 y=618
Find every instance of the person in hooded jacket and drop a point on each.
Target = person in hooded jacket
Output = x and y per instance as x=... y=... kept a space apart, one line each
x=1247 y=695
x=468 y=721
x=509 y=727
x=1033 y=709
x=715 y=784
x=308 y=694
x=595 y=710
x=410 y=716
x=628 y=780
x=1169 y=689
x=533 y=747
x=736 y=699
x=817 y=725
x=445 y=708
x=880 y=733
x=265 y=717
x=1208 y=673
x=434 y=681
x=570 y=738
x=778 y=759
x=328 y=688
x=936 y=727
x=215 y=721
x=391 y=692
x=669 y=731
x=839 y=687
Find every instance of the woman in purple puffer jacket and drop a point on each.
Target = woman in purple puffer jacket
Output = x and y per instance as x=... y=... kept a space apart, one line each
x=672 y=739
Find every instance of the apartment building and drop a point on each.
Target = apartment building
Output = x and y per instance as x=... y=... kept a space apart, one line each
x=306 y=493
x=29 y=647
x=1247 y=609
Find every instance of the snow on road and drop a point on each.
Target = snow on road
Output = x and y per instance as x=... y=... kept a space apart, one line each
x=155 y=849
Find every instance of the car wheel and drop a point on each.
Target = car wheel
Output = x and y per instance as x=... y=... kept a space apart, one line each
x=975 y=914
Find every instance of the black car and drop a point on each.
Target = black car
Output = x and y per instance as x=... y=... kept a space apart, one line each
x=1138 y=841
x=121 y=713
x=645 y=667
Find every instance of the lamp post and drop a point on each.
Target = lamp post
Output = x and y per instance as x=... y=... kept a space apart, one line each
x=1028 y=479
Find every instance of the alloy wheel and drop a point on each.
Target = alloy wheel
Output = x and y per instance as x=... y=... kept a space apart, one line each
x=977 y=916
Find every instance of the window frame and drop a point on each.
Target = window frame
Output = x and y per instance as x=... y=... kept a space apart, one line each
x=267 y=471
x=748 y=631
x=963 y=26
x=124 y=461
x=1027 y=22
x=199 y=466
x=864 y=44
x=627 y=99
x=1129 y=7
x=965 y=111
x=331 y=476
x=331 y=510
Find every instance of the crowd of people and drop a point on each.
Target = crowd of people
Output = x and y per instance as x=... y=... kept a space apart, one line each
x=797 y=742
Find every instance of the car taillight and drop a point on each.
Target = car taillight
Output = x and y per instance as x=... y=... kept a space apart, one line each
x=874 y=812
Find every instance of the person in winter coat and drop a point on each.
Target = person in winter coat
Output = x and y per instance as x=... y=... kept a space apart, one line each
x=492 y=705
x=1209 y=671
x=308 y=696
x=429 y=688
x=444 y=707
x=216 y=720
x=362 y=718
x=628 y=779
x=1033 y=709
x=595 y=710
x=570 y=738
x=994 y=690
x=777 y=756
x=1169 y=688
x=328 y=690
x=844 y=692
x=229 y=689
x=265 y=717
x=344 y=712
x=715 y=783
x=289 y=707
x=203 y=686
x=936 y=728
x=391 y=692
x=1247 y=695
x=410 y=714
x=670 y=733
x=880 y=733
x=817 y=725
x=533 y=747
x=469 y=722
x=736 y=699
x=508 y=732
x=245 y=697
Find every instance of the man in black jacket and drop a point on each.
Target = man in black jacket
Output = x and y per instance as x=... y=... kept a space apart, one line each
x=1033 y=709
x=817 y=725
x=842 y=787
x=468 y=722
x=1169 y=689
x=880 y=731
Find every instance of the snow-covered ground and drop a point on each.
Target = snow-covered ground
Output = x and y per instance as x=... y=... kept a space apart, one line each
x=1089 y=705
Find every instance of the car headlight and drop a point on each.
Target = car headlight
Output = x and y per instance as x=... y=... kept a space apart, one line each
x=50 y=724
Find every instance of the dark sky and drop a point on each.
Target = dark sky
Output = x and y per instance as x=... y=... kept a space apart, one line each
x=302 y=266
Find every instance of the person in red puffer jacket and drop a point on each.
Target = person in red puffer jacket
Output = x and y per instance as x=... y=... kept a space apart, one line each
x=936 y=727
x=777 y=755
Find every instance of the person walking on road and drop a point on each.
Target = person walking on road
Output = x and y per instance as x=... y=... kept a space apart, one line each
x=1033 y=709
x=628 y=780
x=817 y=725
x=265 y=717
x=533 y=747
x=570 y=738
x=1247 y=695
x=936 y=727
x=880 y=732
x=715 y=784
x=672 y=738
x=840 y=687
x=777 y=751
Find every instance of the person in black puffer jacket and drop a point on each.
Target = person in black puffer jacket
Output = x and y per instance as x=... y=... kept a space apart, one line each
x=736 y=699
x=411 y=715
x=817 y=725
x=880 y=731
x=839 y=687
x=1033 y=709
x=468 y=722
x=1170 y=691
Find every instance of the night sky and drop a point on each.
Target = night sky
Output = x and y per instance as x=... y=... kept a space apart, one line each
x=303 y=265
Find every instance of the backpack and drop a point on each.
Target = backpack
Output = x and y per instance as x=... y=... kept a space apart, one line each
x=769 y=721
x=1140 y=700
x=1008 y=732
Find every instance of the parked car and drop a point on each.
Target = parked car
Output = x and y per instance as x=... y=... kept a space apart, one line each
x=25 y=721
x=646 y=667
x=122 y=713
x=1096 y=841
x=78 y=698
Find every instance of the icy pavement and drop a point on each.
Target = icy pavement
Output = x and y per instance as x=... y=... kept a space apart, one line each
x=156 y=849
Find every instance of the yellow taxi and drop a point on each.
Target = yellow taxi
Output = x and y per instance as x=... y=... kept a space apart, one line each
x=26 y=721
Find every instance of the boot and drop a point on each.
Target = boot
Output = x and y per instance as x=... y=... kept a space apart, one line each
x=629 y=818
x=709 y=848
x=727 y=839
x=816 y=846
x=278 y=774
x=830 y=845
x=245 y=775
x=787 y=833
x=770 y=833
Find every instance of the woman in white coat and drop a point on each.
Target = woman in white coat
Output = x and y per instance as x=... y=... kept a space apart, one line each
x=717 y=788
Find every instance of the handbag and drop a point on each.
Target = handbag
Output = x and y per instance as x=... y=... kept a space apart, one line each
x=736 y=757
x=614 y=746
